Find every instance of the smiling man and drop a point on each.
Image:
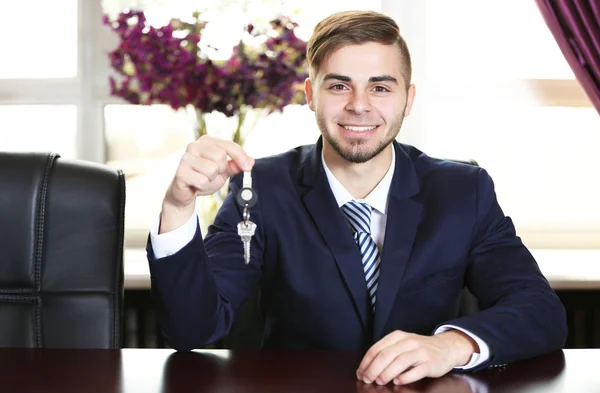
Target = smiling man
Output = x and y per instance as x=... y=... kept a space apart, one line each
x=361 y=242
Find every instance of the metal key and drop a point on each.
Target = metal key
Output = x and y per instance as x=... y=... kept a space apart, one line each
x=246 y=230
x=246 y=198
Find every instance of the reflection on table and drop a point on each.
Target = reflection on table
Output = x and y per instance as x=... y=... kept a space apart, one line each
x=166 y=371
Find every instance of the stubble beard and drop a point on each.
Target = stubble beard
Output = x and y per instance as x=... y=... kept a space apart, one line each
x=357 y=152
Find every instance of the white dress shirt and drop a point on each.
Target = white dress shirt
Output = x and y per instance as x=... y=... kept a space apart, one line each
x=169 y=243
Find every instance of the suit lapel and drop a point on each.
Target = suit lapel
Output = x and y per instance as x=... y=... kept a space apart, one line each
x=329 y=219
x=403 y=217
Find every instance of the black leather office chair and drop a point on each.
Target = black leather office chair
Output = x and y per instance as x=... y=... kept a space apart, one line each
x=61 y=252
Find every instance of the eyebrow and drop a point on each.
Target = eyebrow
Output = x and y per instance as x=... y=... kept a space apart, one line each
x=383 y=78
x=337 y=77
x=373 y=79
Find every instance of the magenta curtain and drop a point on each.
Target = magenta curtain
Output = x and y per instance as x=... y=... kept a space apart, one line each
x=575 y=25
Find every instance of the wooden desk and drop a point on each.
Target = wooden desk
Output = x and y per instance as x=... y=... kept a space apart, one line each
x=161 y=370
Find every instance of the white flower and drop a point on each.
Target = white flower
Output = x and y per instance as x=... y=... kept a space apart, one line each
x=113 y=8
x=251 y=9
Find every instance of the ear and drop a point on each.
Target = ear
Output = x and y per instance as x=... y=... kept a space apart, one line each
x=308 y=92
x=410 y=98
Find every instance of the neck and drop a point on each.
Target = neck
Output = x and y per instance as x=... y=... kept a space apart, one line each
x=358 y=179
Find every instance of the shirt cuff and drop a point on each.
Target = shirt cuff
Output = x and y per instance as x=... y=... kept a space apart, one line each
x=169 y=243
x=476 y=358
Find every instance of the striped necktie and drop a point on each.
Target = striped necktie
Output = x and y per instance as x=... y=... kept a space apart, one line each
x=358 y=215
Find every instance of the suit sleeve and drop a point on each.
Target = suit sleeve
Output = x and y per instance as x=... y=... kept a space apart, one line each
x=199 y=289
x=521 y=315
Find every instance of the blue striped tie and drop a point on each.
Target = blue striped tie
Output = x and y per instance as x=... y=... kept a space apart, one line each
x=358 y=215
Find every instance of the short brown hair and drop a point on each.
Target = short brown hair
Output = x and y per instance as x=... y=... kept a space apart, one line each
x=355 y=28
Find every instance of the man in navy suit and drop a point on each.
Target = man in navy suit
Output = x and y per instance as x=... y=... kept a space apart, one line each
x=361 y=242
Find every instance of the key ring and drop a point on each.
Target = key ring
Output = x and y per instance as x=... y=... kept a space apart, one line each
x=246 y=214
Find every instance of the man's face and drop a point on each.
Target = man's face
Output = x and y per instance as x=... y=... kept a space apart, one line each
x=360 y=99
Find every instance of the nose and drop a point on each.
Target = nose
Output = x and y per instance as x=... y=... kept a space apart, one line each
x=358 y=102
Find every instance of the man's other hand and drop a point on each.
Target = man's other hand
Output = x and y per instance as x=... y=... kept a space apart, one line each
x=404 y=358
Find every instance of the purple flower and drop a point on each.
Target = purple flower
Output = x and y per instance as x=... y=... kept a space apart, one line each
x=164 y=65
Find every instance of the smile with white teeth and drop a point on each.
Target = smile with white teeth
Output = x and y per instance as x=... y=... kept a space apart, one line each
x=360 y=129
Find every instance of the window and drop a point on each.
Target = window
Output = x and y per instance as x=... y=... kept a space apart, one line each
x=39 y=77
x=54 y=96
x=492 y=85
x=47 y=39
x=40 y=128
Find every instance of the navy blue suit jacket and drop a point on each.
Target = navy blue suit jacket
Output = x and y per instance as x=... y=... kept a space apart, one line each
x=444 y=230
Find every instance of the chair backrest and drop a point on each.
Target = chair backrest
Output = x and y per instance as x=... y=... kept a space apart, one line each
x=61 y=252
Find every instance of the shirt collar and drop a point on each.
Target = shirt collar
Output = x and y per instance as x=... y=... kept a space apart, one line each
x=377 y=199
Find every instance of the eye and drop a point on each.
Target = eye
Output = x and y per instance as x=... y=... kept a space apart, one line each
x=381 y=89
x=338 y=86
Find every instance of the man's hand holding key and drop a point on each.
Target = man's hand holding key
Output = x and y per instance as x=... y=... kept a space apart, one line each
x=203 y=170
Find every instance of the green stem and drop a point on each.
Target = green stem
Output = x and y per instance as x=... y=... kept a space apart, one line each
x=198 y=30
x=237 y=137
x=201 y=126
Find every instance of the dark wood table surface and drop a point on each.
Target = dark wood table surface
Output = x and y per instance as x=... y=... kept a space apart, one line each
x=163 y=370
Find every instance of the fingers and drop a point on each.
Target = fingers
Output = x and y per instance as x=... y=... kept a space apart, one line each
x=201 y=179
x=395 y=358
x=216 y=160
x=403 y=362
x=238 y=155
x=202 y=166
x=404 y=358
x=415 y=374
x=217 y=156
x=233 y=168
x=203 y=170
x=387 y=341
x=220 y=150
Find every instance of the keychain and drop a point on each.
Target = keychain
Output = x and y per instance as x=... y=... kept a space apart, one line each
x=246 y=198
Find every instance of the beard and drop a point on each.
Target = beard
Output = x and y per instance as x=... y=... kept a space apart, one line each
x=357 y=151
